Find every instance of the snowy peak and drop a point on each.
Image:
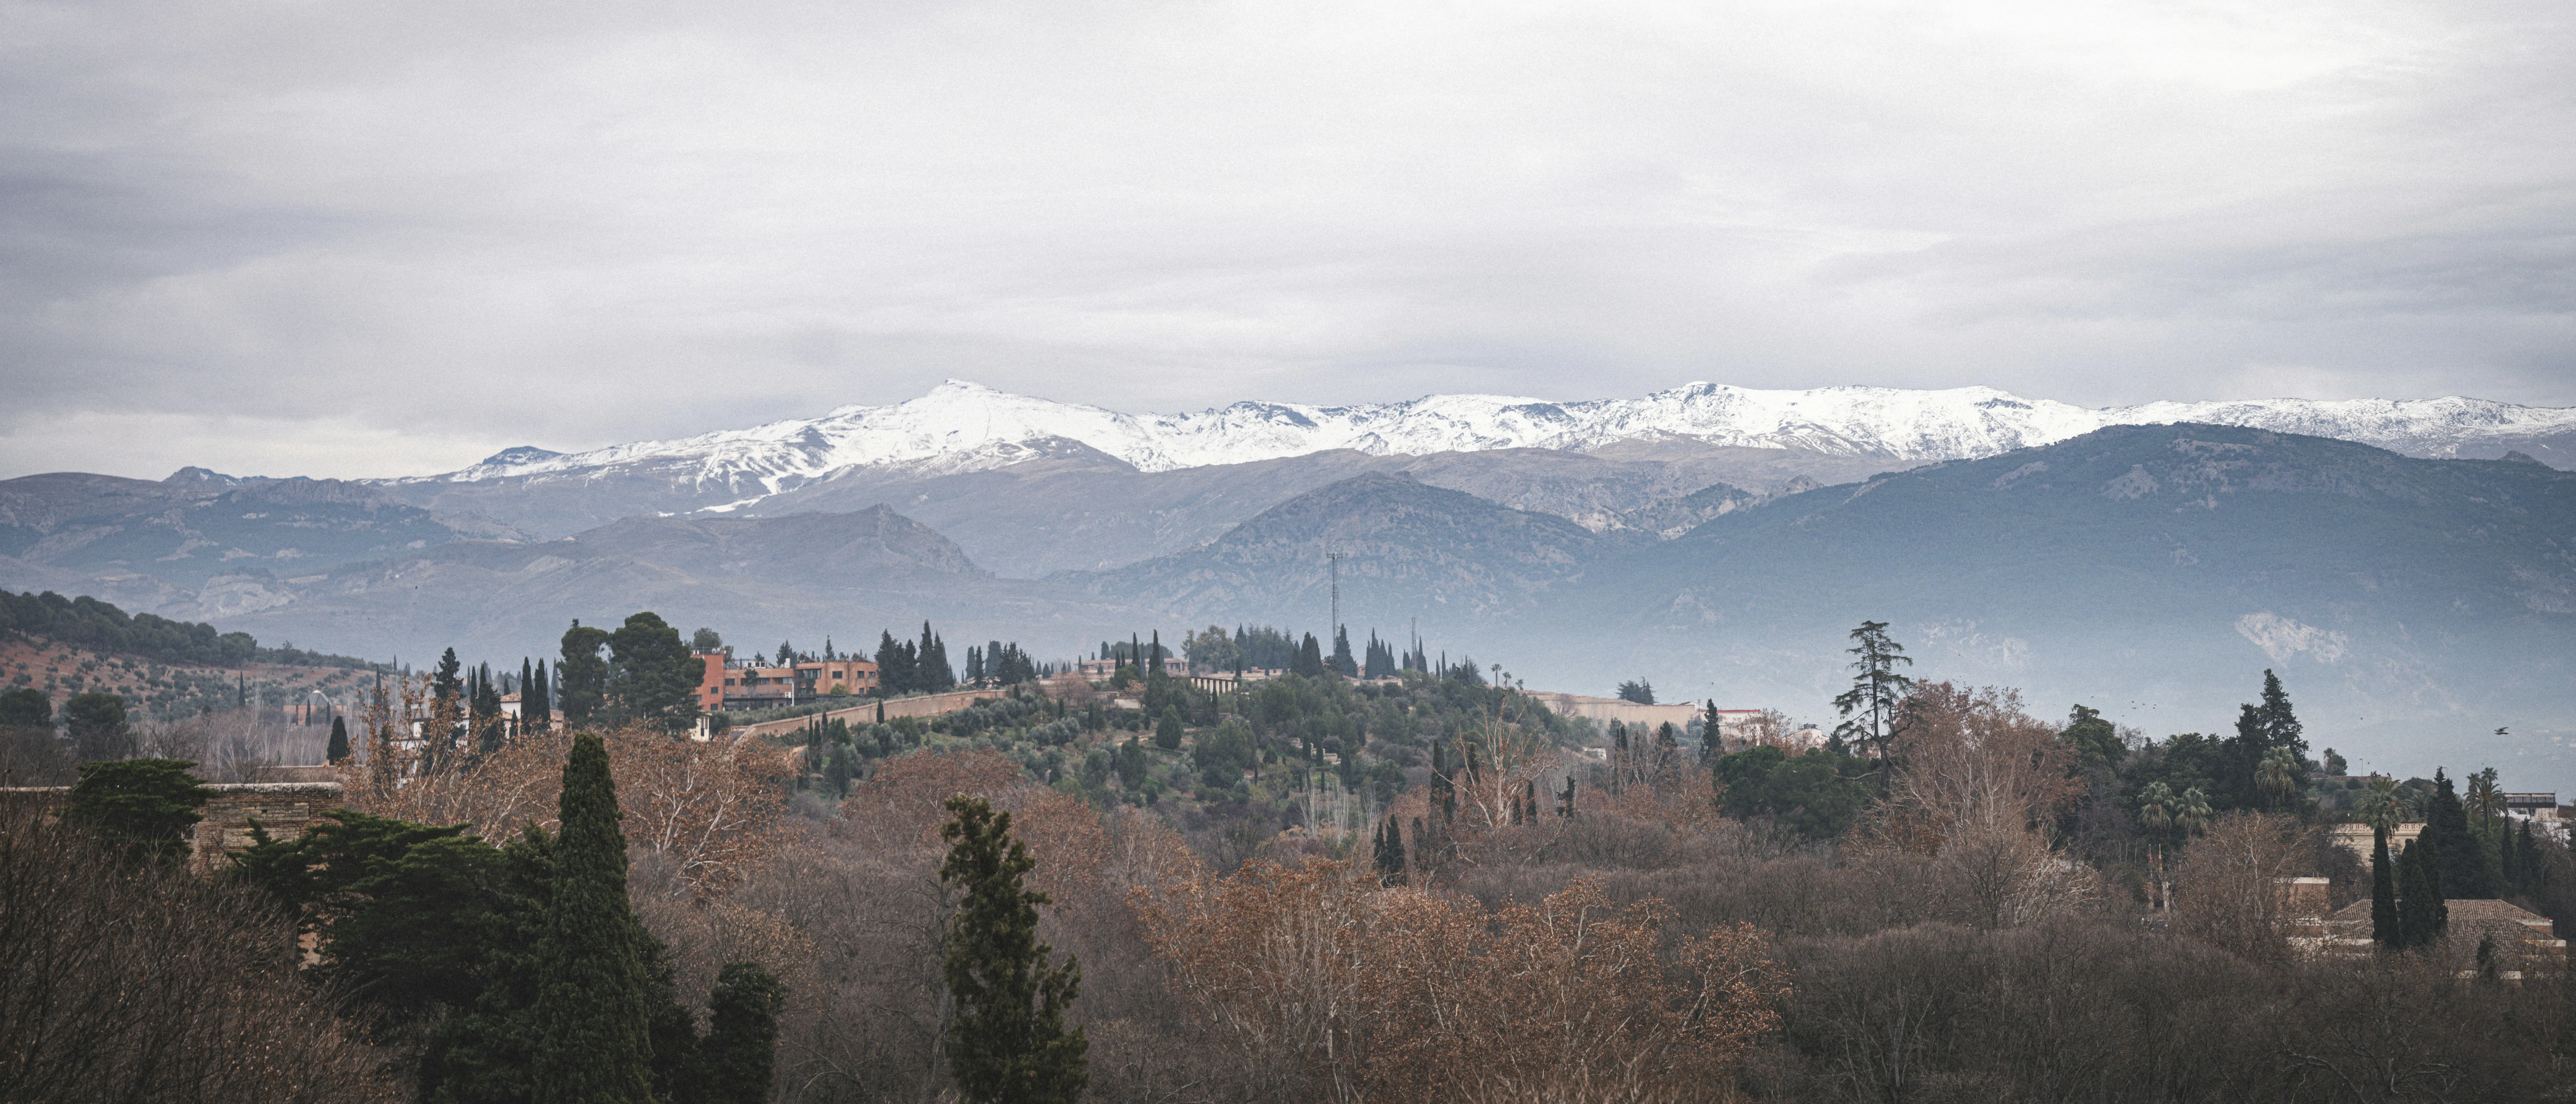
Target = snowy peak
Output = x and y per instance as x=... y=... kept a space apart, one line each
x=961 y=426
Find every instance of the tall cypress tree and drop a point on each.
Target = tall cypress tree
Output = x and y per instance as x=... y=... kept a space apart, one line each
x=2454 y=848
x=538 y=712
x=594 y=1043
x=736 y=1059
x=2421 y=913
x=1008 y=1042
x=339 y=742
x=2383 y=892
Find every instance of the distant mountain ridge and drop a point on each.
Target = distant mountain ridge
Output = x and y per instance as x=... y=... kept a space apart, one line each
x=961 y=426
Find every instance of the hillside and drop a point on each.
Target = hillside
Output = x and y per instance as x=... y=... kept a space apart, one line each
x=2145 y=570
x=143 y=543
x=804 y=576
x=1454 y=560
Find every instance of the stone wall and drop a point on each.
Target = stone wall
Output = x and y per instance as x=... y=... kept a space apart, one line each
x=285 y=809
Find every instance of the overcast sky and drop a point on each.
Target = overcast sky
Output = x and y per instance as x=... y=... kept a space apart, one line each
x=373 y=238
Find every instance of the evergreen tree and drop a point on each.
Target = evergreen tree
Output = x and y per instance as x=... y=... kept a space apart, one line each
x=26 y=707
x=932 y=673
x=148 y=805
x=706 y=641
x=339 y=751
x=1341 y=663
x=652 y=677
x=1876 y=688
x=2455 y=849
x=594 y=1043
x=2421 y=915
x=2508 y=863
x=2527 y=862
x=974 y=665
x=1390 y=853
x=1167 y=731
x=1310 y=658
x=537 y=706
x=2384 y=928
x=489 y=721
x=445 y=683
x=584 y=673
x=96 y=723
x=2262 y=730
x=1154 y=654
x=736 y=1060
x=1008 y=1043
x=894 y=673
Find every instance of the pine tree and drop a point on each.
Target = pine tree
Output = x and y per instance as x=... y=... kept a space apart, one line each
x=1008 y=1042
x=339 y=752
x=2383 y=892
x=1876 y=688
x=736 y=1059
x=148 y=805
x=594 y=1042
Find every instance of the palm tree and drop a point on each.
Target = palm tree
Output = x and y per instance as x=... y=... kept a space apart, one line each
x=2380 y=806
x=2191 y=813
x=2485 y=798
x=2276 y=774
x=2156 y=812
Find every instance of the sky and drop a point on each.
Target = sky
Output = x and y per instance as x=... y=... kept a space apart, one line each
x=372 y=239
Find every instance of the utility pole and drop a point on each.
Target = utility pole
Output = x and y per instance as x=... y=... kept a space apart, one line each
x=1334 y=559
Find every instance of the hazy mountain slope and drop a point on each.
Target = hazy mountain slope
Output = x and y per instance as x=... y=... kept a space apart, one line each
x=757 y=579
x=197 y=524
x=961 y=427
x=2152 y=571
x=1411 y=550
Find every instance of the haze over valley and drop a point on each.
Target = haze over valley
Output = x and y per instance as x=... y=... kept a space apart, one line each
x=2407 y=562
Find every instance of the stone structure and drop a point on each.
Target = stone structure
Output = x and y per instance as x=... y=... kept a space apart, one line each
x=1606 y=710
x=2356 y=838
x=286 y=809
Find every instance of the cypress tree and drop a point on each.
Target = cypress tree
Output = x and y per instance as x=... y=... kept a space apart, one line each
x=539 y=711
x=339 y=752
x=738 y=1055
x=2383 y=892
x=2421 y=913
x=2528 y=863
x=1008 y=1042
x=594 y=1042
x=1167 y=732
x=1390 y=853
x=2454 y=848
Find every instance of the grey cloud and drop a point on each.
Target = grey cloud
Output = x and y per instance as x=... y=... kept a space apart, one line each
x=425 y=233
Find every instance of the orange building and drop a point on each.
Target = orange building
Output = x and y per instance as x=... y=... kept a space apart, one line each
x=728 y=684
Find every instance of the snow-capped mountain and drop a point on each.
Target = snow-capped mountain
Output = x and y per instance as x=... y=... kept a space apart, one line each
x=961 y=426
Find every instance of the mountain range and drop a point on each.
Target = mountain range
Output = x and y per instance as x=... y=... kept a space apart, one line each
x=2409 y=567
